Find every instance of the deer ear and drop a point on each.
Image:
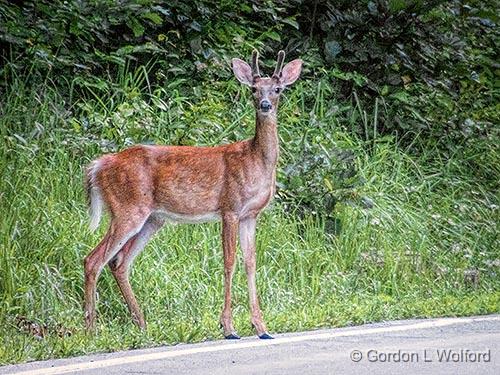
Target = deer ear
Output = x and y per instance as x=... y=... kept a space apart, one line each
x=291 y=72
x=242 y=71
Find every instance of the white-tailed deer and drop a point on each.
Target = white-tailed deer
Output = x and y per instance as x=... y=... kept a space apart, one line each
x=145 y=186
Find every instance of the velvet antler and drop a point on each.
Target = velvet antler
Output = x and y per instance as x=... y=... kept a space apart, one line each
x=279 y=64
x=255 y=64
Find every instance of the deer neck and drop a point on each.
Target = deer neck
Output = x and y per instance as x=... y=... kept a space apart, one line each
x=265 y=142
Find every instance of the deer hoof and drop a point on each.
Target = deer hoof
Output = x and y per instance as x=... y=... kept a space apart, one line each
x=232 y=336
x=266 y=336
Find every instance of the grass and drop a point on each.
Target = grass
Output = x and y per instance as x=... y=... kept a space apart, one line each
x=434 y=221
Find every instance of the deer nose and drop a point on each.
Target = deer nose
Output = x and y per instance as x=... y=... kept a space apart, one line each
x=265 y=105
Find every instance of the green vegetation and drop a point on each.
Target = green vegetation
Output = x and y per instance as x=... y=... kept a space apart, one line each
x=388 y=194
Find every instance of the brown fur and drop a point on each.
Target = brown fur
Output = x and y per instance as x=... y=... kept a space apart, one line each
x=144 y=186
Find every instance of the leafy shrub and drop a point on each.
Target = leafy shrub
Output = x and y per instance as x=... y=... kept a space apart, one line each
x=404 y=68
x=92 y=36
x=429 y=61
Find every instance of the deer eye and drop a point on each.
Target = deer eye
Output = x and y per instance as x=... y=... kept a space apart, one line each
x=277 y=90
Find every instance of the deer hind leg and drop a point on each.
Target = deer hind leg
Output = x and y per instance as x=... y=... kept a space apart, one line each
x=120 y=265
x=247 y=243
x=120 y=231
x=229 y=235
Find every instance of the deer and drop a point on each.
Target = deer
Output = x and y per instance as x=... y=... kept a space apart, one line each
x=145 y=186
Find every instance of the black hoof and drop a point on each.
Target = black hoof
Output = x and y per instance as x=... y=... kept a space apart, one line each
x=232 y=336
x=266 y=336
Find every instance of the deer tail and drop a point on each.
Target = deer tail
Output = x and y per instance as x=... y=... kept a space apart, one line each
x=94 y=197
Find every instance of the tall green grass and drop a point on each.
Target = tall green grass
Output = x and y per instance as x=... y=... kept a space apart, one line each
x=434 y=219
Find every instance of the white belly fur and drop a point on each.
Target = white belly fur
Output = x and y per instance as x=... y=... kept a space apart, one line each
x=174 y=217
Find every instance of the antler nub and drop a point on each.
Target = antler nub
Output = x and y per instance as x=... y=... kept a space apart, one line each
x=279 y=64
x=255 y=64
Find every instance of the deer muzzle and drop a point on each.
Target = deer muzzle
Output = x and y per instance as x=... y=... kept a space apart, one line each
x=265 y=105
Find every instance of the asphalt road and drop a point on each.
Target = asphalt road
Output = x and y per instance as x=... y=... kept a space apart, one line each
x=432 y=346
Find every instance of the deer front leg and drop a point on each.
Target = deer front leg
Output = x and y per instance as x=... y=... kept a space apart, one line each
x=229 y=233
x=247 y=242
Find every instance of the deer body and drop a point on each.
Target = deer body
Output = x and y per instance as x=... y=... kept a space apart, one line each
x=188 y=184
x=145 y=186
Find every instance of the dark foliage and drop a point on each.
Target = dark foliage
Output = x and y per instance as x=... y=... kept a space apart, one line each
x=425 y=69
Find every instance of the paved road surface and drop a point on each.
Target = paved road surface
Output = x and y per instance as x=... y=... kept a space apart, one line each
x=434 y=346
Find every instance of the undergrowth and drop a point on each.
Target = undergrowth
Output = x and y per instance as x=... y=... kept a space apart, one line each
x=369 y=230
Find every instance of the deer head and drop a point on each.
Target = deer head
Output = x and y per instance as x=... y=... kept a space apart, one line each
x=267 y=90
